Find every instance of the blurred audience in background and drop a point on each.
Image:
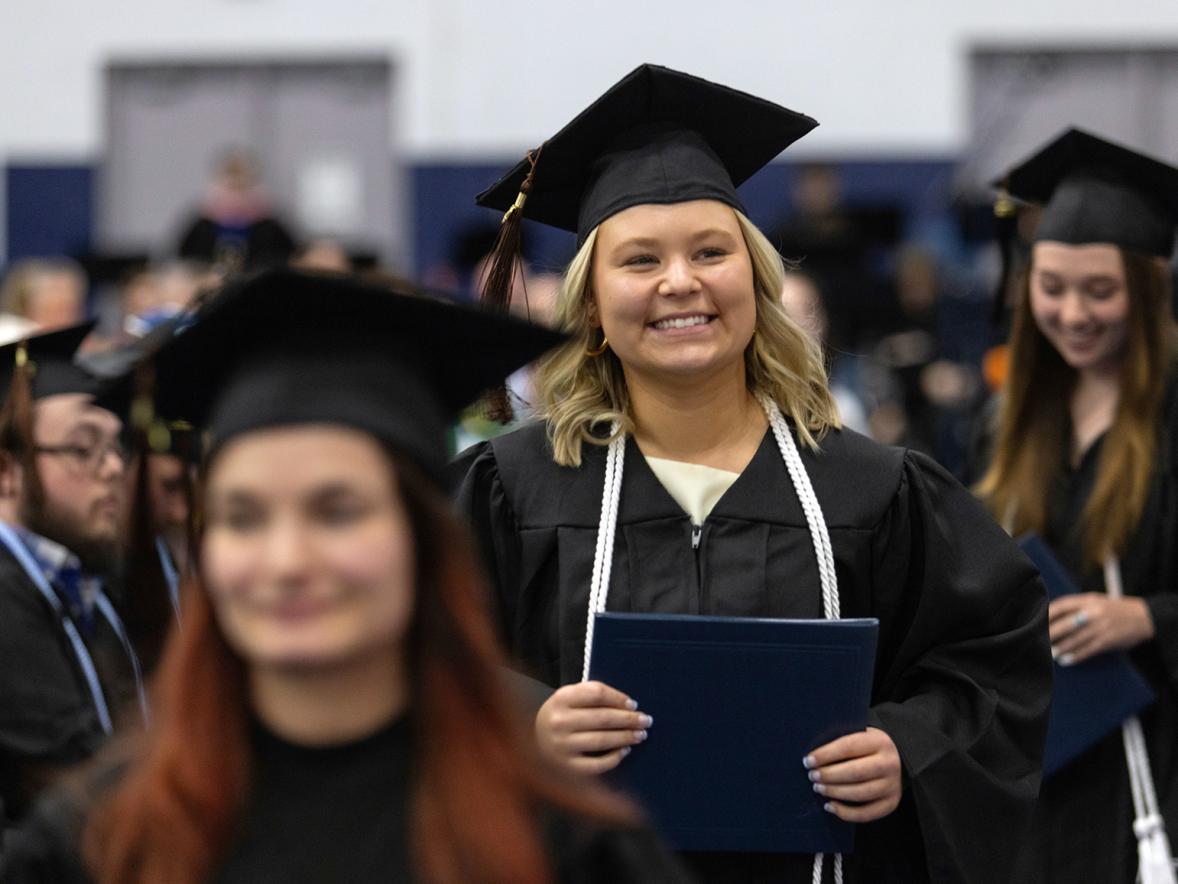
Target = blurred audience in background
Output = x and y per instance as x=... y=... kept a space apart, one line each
x=802 y=300
x=323 y=254
x=158 y=293
x=844 y=248
x=936 y=389
x=41 y=294
x=237 y=224
x=905 y=326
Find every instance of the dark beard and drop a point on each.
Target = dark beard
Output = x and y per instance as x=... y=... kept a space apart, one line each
x=99 y=557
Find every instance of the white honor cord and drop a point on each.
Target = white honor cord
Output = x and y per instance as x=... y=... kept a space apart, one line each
x=819 y=536
x=611 y=496
x=603 y=555
x=1154 y=862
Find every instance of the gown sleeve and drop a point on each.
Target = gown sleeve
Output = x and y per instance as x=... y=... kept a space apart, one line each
x=1163 y=609
x=44 y=848
x=965 y=681
x=47 y=721
x=584 y=855
x=1161 y=579
x=483 y=500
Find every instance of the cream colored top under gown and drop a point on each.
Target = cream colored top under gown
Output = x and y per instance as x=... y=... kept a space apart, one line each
x=694 y=487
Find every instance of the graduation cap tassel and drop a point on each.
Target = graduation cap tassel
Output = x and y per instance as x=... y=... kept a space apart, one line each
x=1006 y=227
x=188 y=449
x=504 y=264
x=505 y=255
x=17 y=421
x=149 y=613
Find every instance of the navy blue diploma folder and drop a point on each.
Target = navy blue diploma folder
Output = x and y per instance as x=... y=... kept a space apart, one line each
x=736 y=704
x=1092 y=698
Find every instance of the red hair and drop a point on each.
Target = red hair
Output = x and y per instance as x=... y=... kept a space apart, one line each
x=474 y=809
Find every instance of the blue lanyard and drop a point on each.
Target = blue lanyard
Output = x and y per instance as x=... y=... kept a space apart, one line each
x=116 y=623
x=170 y=574
x=21 y=553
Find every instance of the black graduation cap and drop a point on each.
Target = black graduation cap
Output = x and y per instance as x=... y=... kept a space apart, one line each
x=657 y=136
x=117 y=375
x=287 y=347
x=1095 y=191
x=50 y=358
x=112 y=268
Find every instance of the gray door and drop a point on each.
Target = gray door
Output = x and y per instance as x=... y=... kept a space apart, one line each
x=321 y=129
x=1022 y=96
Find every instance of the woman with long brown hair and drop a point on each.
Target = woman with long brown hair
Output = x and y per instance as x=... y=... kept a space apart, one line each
x=331 y=708
x=1084 y=456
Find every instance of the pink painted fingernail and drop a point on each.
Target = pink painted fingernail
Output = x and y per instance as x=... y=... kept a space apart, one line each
x=815 y=776
x=646 y=721
x=820 y=789
x=631 y=705
x=625 y=751
x=640 y=735
x=808 y=762
x=828 y=807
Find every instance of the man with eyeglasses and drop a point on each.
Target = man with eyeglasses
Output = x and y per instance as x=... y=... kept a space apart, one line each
x=68 y=672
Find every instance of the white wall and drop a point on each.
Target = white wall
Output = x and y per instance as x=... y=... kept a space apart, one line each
x=486 y=77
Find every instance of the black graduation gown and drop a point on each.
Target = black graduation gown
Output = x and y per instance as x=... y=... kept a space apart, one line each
x=962 y=677
x=337 y=814
x=1083 y=827
x=47 y=717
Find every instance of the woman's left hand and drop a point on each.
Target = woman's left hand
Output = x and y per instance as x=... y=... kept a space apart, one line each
x=859 y=774
x=1090 y=623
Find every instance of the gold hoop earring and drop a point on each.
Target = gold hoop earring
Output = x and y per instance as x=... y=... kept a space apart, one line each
x=597 y=351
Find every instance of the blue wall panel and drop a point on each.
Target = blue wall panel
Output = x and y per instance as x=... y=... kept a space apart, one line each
x=49 y=210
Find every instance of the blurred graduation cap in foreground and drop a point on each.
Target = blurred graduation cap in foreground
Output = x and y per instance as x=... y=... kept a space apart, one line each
x=48 y=361
x=285 y=348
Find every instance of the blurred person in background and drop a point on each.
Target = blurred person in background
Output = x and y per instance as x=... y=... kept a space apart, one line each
x=159 y=293
x=170 y=485
x=237 y=225
x=41 y=294
x=822 y=236
x=935 y=388
x=332 y=709
x=67 y=669
x=323 y=254
x=533 y=298
x=839 y=246
x=161 y=470
x=1084 y=454
x=802 y=301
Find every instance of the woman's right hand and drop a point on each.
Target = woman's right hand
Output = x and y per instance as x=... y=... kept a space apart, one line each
x=589 y=717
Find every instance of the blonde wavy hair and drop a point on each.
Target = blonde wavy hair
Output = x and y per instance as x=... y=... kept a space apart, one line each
x=577 y=393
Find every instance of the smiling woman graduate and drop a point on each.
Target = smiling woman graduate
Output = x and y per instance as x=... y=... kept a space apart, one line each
x=683 y=368
x=1086 y=455
x=331 y=708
